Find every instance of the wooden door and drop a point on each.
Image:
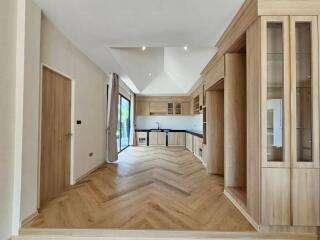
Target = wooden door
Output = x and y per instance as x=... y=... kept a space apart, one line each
x=55 y=135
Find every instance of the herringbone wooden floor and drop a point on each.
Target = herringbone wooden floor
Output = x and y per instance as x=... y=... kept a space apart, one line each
x=149 y=188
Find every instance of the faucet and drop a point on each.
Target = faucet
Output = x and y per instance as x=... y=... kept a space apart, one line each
x=158 y=123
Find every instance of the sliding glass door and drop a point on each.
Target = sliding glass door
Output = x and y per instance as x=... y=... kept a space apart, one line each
x=123 y=130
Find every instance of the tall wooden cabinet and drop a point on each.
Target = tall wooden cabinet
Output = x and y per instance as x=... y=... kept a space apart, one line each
x=289 y=118
x=281 y=48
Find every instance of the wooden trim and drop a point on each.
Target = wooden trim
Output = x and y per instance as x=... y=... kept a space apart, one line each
x=314 y=85
x=288 y=7
x=86 y=234
x=286 y=92
x=238 y=26
x=29 y=218
x=82 y=177
x=242 y=210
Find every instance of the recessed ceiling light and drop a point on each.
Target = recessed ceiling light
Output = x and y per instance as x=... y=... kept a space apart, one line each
x=150 y=74
x=185 y=48
x=144 y=48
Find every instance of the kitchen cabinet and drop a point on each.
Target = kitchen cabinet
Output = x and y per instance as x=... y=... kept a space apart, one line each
x=153 y=138
x=158 y=108
x=176 y=139
x=160 y=105
x=197 y=147
x=157 y=138
x=141 y=138
x=185 y=108
x=142 y=108
x=162 y=138
x=189 y=142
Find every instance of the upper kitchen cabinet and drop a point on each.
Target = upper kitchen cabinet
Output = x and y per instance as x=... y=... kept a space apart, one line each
x=142 y=108
x=197 y=100
x=160 y=105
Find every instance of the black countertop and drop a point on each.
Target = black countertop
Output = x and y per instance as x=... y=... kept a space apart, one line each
x=191 y=131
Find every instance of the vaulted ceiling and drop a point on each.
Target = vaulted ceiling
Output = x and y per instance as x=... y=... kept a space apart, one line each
x=112 y=32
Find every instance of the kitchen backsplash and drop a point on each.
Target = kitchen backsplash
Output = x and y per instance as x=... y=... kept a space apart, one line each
x=170 y=122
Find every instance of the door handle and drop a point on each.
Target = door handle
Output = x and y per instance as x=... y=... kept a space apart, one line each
x=69 y=134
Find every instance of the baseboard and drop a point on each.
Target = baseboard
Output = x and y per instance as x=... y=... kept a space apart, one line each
x=109 y=234
x=242 y=210
x=29 y=218
x=79 y=179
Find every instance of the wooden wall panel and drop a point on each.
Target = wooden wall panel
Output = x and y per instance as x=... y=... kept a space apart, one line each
x=253 y=120
x=215 y=132
x=275 y=196
x=235 y=120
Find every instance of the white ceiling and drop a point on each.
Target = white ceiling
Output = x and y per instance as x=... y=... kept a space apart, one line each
x=111 y=33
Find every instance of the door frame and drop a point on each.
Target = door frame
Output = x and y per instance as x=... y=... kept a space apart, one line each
x=72 y=117
x=121 y=95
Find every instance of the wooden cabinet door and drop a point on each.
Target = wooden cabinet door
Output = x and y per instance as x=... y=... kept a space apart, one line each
x=189 y=142
x=141 y=138
x=162 y=138
x=305 y=197
x=172 y=139
x=143 y=109
x=158 y=108
x=275 y=92
x=153 y=138
x=185 y=108
x=305 y=91
x=181 y=139
x=275 y=202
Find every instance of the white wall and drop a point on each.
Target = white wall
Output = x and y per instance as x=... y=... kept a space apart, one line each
x=8 y=15
x=89 y=98
x=30 y=111
x=170 y=122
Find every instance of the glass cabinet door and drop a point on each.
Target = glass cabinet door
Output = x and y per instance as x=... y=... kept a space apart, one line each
x=275 y=92
x=304 y=74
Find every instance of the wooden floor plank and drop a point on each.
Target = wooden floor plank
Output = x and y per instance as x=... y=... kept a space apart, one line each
x=148 y=188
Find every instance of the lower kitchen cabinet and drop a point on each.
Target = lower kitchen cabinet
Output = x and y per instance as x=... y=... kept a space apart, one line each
x=197 y=147
x=162 y=138
x=141 y=138
x=157 y=138
x=189 y=142
x=153 y=138
x=176 y=139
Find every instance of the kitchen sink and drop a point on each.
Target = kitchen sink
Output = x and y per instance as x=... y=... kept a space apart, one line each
x=160 y=130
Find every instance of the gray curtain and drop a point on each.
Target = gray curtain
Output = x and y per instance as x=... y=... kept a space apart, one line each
x=112 y=119
x=133 y=120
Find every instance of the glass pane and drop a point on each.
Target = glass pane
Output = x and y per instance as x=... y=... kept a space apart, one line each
x=125 y=122
x=275 y=92
x=303 y=92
